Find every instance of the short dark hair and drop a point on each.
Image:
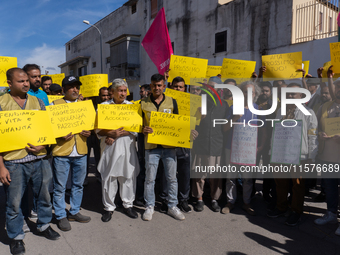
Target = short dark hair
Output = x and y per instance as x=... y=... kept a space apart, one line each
x=29 y=67
x=45 y=78
x=109 y=88
x=146 y=87
x=10 y=72
x=266 y=84
x=177 y=80
x=230 y=80
x=102 y=88
x=157 y=77
x=276 y=83
x=293 y=84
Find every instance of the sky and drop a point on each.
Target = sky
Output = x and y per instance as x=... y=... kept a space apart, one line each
x=35 y=31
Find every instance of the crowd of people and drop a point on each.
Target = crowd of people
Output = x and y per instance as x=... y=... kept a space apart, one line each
x=128 y=162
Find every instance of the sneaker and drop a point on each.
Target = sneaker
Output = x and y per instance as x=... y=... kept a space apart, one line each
x=25 y=227
x=164 y=207
x=147 y=215
x=293 y=219
x=276 y=213
x=176 y=213
x=79 y=217
x=64 y=225
x=227 y=209
x=34 y=215
x=248 y=209
x=215 y=206
x=337 y=231
x=17 y=247
x=329 y=217
x=184 y=206
x=199 y=206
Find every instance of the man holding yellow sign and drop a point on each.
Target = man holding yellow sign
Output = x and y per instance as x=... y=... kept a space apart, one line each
x=119 y=161
x=70 y=152
x=19 y=166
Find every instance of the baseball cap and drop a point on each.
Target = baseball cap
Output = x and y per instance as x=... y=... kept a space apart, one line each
x=70 y=80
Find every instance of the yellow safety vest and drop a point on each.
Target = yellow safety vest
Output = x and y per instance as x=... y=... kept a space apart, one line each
x=64 y=148
x=7 y=103
x=148 y=107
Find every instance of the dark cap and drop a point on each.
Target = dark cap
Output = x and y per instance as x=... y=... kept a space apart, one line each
x=55 y=87
x=215 y=79
x=70 y=80
x=313 y=81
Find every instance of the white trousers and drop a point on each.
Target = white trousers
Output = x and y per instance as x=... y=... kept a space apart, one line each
x=127 y=189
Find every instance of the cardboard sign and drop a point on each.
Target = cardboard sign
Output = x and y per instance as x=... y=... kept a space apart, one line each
x=17 y=128
x=5 y=64
x=56 y=78
x=213 y=71
x=298 y=75
x=71 y=117
x=244 y=145
x=332 y=126
x=114 y=116
x=187 y=68
x=92 y=83
x=282 y=65
x=325 y=69
x=187 y=103
x=170 y=129
x=335 y=56
x=51 y=98
x=286 y=143
x=305 y=66
x=240 y=70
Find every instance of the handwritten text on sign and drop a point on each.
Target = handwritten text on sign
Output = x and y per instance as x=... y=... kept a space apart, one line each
x=17 y=128
x=235 y=68
x=332 y=126
x=213 y=71
x=92 y=83
x=5 y=64
x=71 y=117
x=244 y=145
x=335 y=56
x=187 y=103
x=52 y=98
x=170 y=129
x=282 y=65
x=187 y=68
x=56 y=78
x=114 y=116
x=286 y=143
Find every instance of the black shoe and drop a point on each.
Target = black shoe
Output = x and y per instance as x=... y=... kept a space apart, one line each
x=293 y=219
x=50 y=234
x=139 y=203
x=17 y=247
x=131 y=213
x=184 y=206
x=79 y=217
x=276 y=213
x=107 y=216
x=64 y=225
x=215 y=206
x=164 y=207
x=199 y=206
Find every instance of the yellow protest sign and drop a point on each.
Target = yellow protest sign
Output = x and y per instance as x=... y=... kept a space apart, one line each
x=325 y=69
x=282 y=65
x=305 y=66
x=187 y=103
x=136 y=102
x=332 y=126
x=213 y=71
x=170 y=129
x=56 y=78
x=230 y=102
x=127 y=91
x=71 y=117
x=51 y=98
x=5 y=64
x=92 y=83
x=17 y=128
x=240 y=70
x=114 y=116
x=187 y=68
x=335 y=56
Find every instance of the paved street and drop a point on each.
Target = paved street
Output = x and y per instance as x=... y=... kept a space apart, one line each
x=201 y=233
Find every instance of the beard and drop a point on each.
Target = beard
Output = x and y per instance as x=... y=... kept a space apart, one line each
x=262 y=98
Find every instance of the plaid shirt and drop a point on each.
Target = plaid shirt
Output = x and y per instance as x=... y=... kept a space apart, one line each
x=30 y=156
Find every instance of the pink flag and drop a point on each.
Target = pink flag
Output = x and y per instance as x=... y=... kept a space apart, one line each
x=157 y=43
x=338 y=19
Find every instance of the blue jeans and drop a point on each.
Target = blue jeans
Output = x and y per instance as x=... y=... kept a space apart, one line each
x=40 y=173
x=152 y=157
x=61 y=167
